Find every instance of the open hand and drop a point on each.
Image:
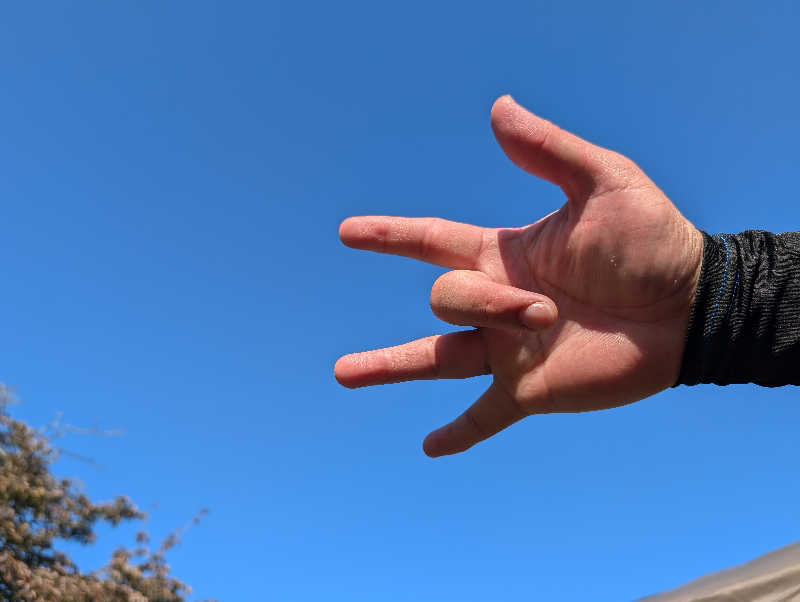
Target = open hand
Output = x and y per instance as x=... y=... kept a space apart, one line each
x=585 y=309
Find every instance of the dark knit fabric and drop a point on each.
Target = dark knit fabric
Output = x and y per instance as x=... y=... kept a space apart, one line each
x=744 y=325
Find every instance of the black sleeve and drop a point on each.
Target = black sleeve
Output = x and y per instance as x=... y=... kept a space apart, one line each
x=744 y=325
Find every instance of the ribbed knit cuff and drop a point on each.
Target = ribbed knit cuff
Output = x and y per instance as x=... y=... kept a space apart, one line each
x=744 y=325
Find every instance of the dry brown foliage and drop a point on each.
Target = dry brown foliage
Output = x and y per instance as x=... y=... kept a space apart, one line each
x=37 y=510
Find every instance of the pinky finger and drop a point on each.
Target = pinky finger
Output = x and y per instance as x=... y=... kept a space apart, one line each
x=494 y=411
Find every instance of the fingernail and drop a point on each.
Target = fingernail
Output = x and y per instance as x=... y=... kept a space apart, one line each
x=538 y=315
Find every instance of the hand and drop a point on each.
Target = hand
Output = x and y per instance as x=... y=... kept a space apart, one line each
x=585 y=309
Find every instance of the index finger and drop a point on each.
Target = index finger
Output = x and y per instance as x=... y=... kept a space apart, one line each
x=430 y=239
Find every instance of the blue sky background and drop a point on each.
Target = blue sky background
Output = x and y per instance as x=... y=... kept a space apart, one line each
x=173 y=176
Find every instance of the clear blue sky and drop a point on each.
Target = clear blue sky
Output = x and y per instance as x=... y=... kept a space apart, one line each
x=173 y=176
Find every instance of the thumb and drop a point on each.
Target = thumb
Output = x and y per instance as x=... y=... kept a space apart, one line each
x=546 y=151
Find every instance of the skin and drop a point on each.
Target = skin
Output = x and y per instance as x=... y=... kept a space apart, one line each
x=585 y=309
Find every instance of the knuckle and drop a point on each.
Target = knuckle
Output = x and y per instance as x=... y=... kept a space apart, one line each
x=622 y=171
x=439 y=290
x=489 y=308
x=463 y=297
x=429 y=235
x=549 y=132
x=433 y=358
x=450 y=283
x=492 y=306
x=475 y=424
x=627 y=167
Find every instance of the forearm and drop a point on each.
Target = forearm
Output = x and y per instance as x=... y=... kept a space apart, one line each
x=744 y=326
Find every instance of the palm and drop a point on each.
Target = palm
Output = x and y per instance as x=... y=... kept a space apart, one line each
x=618 y=261
x=622 y=310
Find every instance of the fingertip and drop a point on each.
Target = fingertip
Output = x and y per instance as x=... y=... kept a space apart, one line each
x=430 y=447
x=348 y=230
x=539 y=315
x=501 y=108
x=344 y=372
x=505 y=99
x=441 y=443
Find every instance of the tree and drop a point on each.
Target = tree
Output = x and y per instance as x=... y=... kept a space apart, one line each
x=37 y=509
